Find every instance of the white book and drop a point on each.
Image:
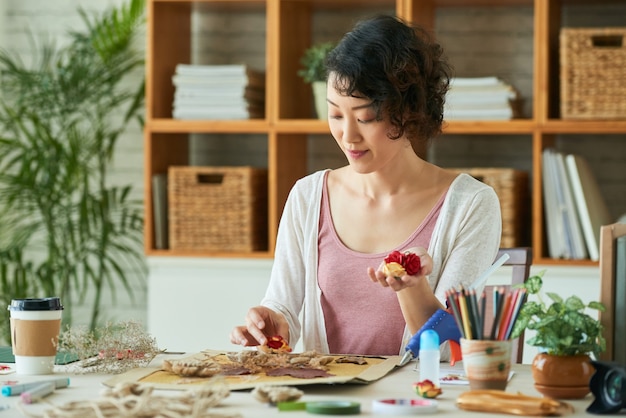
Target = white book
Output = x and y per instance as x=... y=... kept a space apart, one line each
x=502 y=113
x=231 y=81
x=253 y=94
x=557 y=247
x=476 y=81
x=475 y=97
x=228 y=101
x=249 y=78
x=570 y=212
x=592 y=208
x=213 y=107
x=212 y=114
x=219 y=97
x=211 y=70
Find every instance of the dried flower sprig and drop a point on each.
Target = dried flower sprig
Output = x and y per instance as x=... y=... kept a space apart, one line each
x=112 y=348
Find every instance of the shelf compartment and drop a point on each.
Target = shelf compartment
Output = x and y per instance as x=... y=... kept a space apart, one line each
x=217 y=208
x=605 y=162
x=183 y=32
x=296 y=29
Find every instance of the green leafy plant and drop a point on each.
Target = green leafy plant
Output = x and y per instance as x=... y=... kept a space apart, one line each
x=562 y=327
x=66 y=230
x=313 y=62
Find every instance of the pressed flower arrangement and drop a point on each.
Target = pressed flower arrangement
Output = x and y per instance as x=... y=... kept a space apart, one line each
x=398 y=264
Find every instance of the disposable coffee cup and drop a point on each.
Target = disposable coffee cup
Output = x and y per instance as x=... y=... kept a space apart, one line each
x=35 y=327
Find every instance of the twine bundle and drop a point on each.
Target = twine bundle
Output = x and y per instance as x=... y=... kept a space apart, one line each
x=138 y=401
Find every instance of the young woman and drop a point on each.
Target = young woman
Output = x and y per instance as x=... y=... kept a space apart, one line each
x=386 y=89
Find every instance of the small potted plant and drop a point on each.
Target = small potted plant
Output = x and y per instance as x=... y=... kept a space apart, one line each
x=566 y=336
x=314 y=73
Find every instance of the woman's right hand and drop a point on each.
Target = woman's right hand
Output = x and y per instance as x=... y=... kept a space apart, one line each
x=261 y=323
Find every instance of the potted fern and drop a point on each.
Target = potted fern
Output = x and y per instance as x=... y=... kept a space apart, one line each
x=67 y=231
x=314 y=73
x=566 y=336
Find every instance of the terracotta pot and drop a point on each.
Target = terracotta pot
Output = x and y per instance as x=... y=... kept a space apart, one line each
x=562 y=377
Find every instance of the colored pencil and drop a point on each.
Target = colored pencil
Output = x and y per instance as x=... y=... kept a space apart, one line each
x=465 y=316
x=475 y=315
x=521 y=298
x=470 y=313
x=453 y=305
x=505 y=316
x=483 y=308
x=497 y=309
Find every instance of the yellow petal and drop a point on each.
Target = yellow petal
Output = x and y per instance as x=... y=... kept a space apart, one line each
x=394 y=269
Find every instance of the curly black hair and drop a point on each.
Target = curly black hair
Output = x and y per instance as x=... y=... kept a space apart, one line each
x=400 y=68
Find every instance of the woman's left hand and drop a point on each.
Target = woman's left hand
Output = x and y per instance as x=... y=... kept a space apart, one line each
x=405 y=281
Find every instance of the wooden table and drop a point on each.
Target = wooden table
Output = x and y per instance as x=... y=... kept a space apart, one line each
x=397 y=384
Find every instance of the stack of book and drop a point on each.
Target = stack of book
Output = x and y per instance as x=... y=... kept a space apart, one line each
x=218 y=92
x=481 y=98
x=573 y=205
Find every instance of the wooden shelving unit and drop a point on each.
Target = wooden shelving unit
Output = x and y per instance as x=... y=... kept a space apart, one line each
x=287 y=125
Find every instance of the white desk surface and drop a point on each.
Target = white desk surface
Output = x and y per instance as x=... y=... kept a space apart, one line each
x=397 y=384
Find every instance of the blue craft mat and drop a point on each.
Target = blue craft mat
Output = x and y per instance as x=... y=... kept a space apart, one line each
x=6 y=356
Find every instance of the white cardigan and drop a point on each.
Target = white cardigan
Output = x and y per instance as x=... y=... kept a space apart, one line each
x=464 y=244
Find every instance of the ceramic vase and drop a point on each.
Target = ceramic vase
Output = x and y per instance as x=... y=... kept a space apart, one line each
x=562 y=377
x=319 y=94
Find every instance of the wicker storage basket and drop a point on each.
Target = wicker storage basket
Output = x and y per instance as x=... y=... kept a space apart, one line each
x=512 y=189
x=593 y=73
x=217 y=208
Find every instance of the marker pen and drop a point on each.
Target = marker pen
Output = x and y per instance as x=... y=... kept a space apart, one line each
x=37 y=392
x=11 y=390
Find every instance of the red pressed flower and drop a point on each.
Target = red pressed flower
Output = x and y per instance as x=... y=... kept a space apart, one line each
x=272 y=343
x=412 y=264
x=395 y=257
x=409 y=261
x=278 y=343
x=427 y=389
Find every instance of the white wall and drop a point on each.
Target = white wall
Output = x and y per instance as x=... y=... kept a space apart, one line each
x=193 y=303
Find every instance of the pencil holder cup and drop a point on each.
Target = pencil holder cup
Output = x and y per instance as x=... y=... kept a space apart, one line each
x=487 y=363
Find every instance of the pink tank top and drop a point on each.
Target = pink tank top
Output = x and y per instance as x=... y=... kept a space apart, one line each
x=361 y=317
